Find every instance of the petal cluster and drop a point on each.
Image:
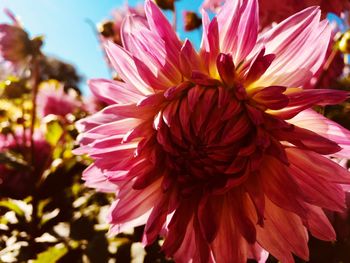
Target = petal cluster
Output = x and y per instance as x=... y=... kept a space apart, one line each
x=218 y=151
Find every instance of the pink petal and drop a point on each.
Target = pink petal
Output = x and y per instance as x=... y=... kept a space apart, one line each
x=311 y=162
x=94 y=178
x=280 y=187
x=156 y=220
x=94 y=120
x=117 y=228
x=259 y=66
x=319 y=124
x=283 y=233
x=272 y=97
x=258 y=253
x=229 y=245
x=319 y=225
x=226 y=69
x=180 y=229
x=317 y=190
x=159 y=23
x=238 y=28
x=132 y=204
x=186 y=251
x=125 y=66
x=189 y=59
x=300 y=44
x=210 y=43
x=301 y=99
x=209 y=215
x=113 y=92
x=308 y=140
x=147 y=46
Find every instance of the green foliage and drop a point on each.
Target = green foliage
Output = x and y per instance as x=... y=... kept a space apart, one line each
x=12 y=206
x=54 y=131
x=52 y=254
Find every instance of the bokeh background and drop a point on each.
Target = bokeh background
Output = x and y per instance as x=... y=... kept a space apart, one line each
x=48 y=214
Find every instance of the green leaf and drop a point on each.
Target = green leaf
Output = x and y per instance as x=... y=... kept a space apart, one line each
x=52 y=254
x=12 y=206
x=54 y=132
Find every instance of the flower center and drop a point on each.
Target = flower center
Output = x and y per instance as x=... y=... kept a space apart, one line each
x=208 y=138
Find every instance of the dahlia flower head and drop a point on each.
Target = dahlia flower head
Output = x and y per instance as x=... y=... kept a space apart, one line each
x=19 y=182
x=52 y=99
x=15 y=44
x=218 y=151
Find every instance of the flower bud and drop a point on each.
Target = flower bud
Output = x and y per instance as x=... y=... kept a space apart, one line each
x=166 y=4
x=15 y=44
x=106 y=29
x=191 y=21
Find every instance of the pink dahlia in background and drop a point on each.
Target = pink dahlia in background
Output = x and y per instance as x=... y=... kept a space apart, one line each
x=18 y=180
x=212 y=5
x=329 y=74
x=52 y=99
x=15 y=44
x=331 y=70
x=277 y=10
x=92 y=104
x=110 y=30
x=219 y=150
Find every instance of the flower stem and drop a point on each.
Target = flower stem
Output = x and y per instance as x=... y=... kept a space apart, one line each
x=35 y=79
x=174 y=18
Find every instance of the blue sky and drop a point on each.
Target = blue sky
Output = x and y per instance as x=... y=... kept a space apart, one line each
x=67 y=34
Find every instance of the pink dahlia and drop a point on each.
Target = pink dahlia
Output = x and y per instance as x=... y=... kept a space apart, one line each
x=331 y=70
x=15 y=44
x=110 y=30
x=19 y=180
x=92 y=104
x=219 y=151
x=277 y=10
x=52 y=99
